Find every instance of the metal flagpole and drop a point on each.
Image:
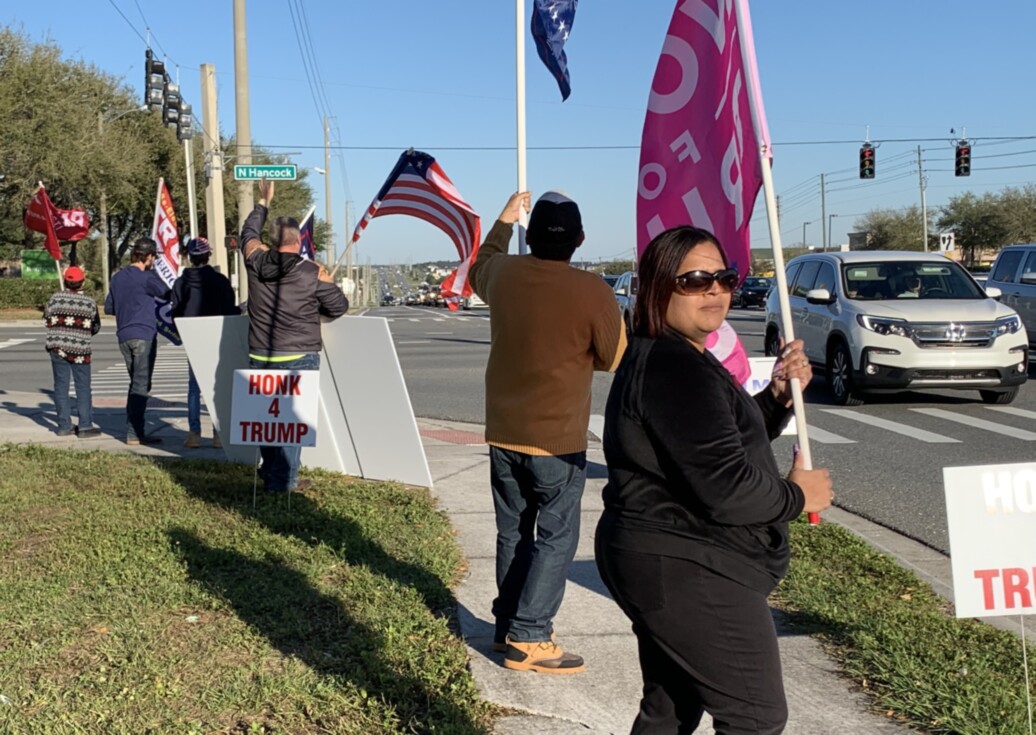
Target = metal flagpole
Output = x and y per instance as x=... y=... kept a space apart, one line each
x=520 y=107
x=798 y=403
x=1025 y=664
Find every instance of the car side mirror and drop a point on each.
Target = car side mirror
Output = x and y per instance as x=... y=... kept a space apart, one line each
x=819 y=296
x=993 y=292
x=1029 y=278
x=622 y=291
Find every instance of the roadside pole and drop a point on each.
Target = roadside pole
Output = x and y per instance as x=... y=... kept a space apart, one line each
x=924 y=204
x=331 y=250
x=244 y=135
x=214 y=213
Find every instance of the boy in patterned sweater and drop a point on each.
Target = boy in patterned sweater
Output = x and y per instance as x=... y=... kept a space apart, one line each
x=72 y=320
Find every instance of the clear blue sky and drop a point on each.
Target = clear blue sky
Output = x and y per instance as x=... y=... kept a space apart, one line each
x=439 y=76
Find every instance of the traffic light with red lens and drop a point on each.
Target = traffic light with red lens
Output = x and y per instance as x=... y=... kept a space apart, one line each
x=962 y=159
x=866 y=161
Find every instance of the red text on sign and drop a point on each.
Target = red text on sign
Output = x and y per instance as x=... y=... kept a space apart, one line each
x=1016 y=585
x=262 y=432
x=274 y=385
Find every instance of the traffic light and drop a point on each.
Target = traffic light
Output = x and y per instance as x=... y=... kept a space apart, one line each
x=154 y=82
x=866 y=161
x=184 y=130
x=962 y=160
x=171 y=105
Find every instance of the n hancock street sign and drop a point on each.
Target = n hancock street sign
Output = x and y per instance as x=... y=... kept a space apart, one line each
x=248 y=172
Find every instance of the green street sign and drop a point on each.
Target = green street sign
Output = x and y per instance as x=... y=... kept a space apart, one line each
x=285 y=172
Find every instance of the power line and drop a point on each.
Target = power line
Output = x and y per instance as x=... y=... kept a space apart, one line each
x=128 y=22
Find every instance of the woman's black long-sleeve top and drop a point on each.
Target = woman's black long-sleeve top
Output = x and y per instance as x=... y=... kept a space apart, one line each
x=690 y=470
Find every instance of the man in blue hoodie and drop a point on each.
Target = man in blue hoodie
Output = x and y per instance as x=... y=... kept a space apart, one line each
x=131 y=298
x=200 y=290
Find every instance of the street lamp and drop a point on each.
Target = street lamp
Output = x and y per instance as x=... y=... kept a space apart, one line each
x=102 y=118
x=804 y=232
x=829 y=218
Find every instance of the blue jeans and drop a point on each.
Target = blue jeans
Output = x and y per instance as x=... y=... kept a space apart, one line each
x=139 y=355
x=193 y=402
x=537 y=501
x=280 y=470
x=64 y=373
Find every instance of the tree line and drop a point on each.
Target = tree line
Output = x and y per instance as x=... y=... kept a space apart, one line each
x=77 y=129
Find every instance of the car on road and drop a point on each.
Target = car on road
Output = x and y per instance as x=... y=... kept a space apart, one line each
x=885 y=321
x=752 y=292
x=1014 y=275
x=626 y=298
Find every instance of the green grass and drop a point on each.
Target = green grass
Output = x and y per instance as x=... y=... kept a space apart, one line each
x=898 y=640
x=142 y=596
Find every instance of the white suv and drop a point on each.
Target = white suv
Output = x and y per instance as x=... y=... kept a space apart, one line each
x=883 y=321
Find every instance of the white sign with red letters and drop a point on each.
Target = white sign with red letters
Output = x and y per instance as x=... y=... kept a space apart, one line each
x=275 y=407
x=991 y=513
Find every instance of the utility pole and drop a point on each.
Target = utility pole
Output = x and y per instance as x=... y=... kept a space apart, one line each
x=924 y=205
x=348 y=247
x=244 y=134
x=217 y=228
x=823 y=211
x=331 y=250
x=103 y=214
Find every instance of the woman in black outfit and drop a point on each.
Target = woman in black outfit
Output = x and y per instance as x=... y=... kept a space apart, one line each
x=694 y=532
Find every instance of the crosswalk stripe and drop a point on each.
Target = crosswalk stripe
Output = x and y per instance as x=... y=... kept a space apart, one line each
x=893 y=426
x=826 y=437
x=13 y=343
x=978 y=423
x=1012 y=411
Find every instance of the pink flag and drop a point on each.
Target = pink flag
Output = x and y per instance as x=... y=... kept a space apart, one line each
x=699 y=155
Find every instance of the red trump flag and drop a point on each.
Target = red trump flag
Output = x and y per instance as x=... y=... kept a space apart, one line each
x=39 y=217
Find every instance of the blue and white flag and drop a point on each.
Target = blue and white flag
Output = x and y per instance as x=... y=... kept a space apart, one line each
x=551 y=23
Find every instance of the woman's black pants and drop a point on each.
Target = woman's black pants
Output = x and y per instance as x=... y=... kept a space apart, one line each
x=706 y=643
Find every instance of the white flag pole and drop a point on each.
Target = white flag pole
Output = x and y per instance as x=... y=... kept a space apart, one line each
x=520 y=83
x=158 y=208
x=787 y=327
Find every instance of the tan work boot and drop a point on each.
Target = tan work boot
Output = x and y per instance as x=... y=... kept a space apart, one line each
x=544 y=657
x=193 y=441
x=216 y=443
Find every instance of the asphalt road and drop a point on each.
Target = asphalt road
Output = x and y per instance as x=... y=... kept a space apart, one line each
x=886 y=456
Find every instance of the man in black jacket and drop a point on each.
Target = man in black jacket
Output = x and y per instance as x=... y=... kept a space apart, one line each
x=287 y=294
x=200 y=290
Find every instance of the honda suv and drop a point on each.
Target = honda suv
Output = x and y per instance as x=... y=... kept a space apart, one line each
x=883 y=321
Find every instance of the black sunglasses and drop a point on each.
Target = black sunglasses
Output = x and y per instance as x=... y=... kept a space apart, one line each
x=695 y=282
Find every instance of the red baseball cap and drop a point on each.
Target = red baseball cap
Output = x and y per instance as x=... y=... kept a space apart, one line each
x=74 y=274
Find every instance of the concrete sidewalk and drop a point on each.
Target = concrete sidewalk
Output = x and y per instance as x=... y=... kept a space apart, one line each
x=603 y=699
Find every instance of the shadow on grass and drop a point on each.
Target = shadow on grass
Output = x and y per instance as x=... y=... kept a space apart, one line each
x=307 y=522
x=280 y=604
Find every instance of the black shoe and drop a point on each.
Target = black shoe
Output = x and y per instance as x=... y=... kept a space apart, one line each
x=64 y=432
x=144 y=441
x=88 y=432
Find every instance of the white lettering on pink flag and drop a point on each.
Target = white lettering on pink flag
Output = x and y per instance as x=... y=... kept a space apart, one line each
x=699 y=155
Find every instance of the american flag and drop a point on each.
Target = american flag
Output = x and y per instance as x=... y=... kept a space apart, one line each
x=420 y=188
x=306 y=249
x=551 y=23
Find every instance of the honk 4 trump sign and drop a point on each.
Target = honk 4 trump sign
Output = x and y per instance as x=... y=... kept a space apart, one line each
x=991 y=512
x=275 y=407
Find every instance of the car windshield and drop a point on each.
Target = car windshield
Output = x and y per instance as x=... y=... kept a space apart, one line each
x=757 y=282
x=903 y=279
x=611 y=280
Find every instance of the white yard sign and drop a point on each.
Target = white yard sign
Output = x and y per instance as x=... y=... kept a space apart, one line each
x=275 y=407
x=991 y=513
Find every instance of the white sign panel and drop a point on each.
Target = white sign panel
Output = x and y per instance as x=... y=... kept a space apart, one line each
x=762 y=369
x=991 y=513
x=947 y=242
x=274 y=407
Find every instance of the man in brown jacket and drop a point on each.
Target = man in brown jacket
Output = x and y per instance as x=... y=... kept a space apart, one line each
x=551 y=326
